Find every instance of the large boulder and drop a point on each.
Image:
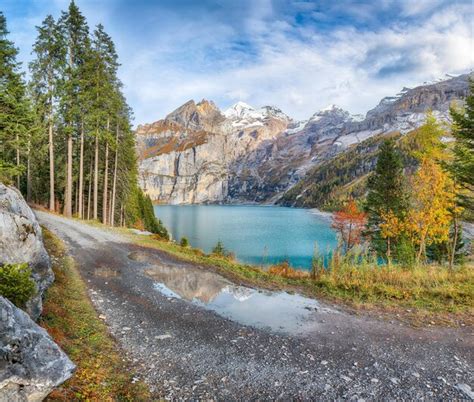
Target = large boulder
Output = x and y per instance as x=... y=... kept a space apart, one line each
x=31 y=364
x=21 y=241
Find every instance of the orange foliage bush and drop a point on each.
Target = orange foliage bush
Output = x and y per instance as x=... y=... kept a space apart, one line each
x=286 y=271
x=349 y=224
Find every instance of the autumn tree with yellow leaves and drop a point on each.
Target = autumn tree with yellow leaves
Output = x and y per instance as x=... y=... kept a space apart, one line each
x=433 y=200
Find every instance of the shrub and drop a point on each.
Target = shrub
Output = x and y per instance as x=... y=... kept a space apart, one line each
x=16 y=284
x=219 y=249
x=286 y=271
x=405 y=252
x=184 y=242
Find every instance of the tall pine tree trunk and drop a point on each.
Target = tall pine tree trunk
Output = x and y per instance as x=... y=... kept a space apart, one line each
x=28 y=173
x=89 y=194
x=81 y=172
x=68 y=197
x=51 y=166
x=114 y=185
x=106 y=179
x=18 y=162
x=96 y=175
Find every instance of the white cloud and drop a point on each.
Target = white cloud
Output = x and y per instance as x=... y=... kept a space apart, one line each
x=352 y=68
x=262 y=56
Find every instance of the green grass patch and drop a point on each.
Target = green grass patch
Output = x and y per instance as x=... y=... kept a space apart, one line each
x=69 y=317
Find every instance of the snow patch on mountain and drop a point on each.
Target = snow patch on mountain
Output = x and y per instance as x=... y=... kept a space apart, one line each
x=243 y=115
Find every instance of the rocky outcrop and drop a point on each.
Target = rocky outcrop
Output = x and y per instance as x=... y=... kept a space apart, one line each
x=198 y=154
x=21 y=241
x=186 y=157
x=31 y=364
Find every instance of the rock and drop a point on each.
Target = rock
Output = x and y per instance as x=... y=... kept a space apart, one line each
x=31 y=364
x=466 y=390
x=161 y=337
x=21 y=241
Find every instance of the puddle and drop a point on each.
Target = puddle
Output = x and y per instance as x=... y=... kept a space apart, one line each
x=278 y=311
x=138 y=256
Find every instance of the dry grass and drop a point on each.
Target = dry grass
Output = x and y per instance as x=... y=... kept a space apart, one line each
x=69 y=317
x=284 y=270
x=427 y=293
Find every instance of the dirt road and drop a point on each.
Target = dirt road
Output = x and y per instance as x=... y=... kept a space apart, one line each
x=170 y=319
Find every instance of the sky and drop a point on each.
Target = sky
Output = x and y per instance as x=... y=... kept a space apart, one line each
x=297 y=55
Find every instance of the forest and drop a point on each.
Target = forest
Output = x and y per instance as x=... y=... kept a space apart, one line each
x=66 y=138
x=417 y=196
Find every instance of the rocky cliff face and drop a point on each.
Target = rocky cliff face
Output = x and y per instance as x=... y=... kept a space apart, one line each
x=21 y=241
x=198 y=154
x=186 y=157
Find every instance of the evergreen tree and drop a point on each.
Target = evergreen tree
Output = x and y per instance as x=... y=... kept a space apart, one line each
x=46 y=74
x=76 y=34
x=16 y=118
x=462 y=165
x=385 y=196
x=110 y=89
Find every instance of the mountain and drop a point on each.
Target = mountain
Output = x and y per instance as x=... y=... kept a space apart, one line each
x=186 y=157
x=198 y=154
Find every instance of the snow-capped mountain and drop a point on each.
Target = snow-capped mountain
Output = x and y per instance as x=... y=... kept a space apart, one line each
x=243 y=115
x=199 y=154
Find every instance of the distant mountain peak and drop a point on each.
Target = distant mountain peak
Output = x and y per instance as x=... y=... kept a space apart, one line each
x=332 y=111
x=330 y=108
x=239 y=109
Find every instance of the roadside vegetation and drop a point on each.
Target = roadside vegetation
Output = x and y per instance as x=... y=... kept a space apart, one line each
x=16 y=284
x=69 y=317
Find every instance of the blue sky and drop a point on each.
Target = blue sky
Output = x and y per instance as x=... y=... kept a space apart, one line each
x=298 y=55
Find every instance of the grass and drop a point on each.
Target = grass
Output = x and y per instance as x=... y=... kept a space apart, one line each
x=69 y=317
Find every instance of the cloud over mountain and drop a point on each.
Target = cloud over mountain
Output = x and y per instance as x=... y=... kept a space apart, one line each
x=300 y=55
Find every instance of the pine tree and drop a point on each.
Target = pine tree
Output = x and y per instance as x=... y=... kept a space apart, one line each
x=104 y=108
x=108 y=58
x=76 y=34
x=385 y=197
x=462 y=165
x=46 y=73
x=15 y=110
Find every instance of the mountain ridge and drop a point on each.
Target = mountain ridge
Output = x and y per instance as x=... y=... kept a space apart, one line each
x=200 y=154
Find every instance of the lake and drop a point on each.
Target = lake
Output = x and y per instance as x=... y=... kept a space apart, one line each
x=258 y=235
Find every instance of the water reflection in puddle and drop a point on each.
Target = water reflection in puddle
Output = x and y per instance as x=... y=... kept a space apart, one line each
x=279 y=311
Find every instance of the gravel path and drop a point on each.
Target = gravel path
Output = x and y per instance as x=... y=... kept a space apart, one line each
x=183 y=350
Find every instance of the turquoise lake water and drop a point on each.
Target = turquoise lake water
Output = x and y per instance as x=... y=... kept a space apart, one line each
x=258 y=235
